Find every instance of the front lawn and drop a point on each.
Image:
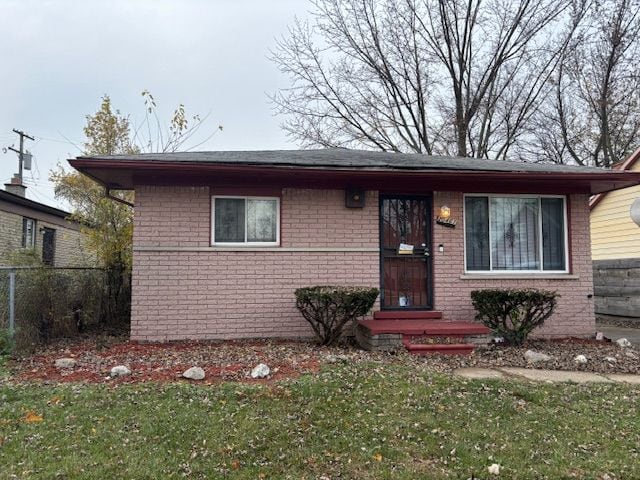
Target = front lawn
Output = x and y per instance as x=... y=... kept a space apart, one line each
x=367 y=420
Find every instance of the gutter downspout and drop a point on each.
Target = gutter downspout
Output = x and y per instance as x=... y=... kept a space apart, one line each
x=107 y=193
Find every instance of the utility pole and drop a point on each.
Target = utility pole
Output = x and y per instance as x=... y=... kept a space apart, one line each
x=21 y=151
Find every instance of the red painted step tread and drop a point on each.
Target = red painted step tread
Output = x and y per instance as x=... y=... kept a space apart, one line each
x=450 y=348
x=407 y=315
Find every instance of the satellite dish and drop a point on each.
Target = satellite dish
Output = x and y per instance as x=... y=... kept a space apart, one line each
x=634 y=211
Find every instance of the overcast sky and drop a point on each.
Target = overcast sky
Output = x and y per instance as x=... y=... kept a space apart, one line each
x=60 y=57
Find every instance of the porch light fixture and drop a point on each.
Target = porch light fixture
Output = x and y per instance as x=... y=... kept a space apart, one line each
x=634 y=212
x=444 y=217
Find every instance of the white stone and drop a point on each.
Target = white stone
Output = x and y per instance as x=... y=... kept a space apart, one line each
x=331 y=358
x=494 y=469
x=623 y=342
x=534 y=357
x=611 y=359
x=194 y=373
x=580 y=359
x=65 y=362
x=630 y=354
x=260 y=371
x=119 y=371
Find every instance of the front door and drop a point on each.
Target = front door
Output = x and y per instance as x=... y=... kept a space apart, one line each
x=48 y=246
x=405 y=253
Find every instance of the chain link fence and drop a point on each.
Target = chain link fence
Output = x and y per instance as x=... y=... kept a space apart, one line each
x=39 y=304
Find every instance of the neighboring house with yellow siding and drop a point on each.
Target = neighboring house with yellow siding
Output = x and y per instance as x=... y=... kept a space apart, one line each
x=615 y=250
x=613 y=234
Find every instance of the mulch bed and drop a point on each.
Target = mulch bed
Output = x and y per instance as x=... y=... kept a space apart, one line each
x=562 y=351
x=222 y=361
x=233 y=360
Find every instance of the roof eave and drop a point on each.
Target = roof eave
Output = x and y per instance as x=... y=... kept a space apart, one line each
x=598 y=181
x=623 y=167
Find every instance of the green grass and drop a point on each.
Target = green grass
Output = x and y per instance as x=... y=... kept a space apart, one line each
x=360 y=421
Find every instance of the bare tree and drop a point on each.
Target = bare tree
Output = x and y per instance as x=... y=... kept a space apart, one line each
x=429 y=76
x=151 y=136
x=593 y=116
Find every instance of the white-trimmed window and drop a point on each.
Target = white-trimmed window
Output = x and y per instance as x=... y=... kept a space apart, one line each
x=515 y=233
x=28 y=232
x=245 y=221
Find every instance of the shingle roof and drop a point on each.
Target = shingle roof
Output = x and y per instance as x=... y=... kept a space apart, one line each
x=32 y=204
x=337 y=158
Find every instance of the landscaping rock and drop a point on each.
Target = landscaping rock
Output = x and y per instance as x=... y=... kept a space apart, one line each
x=580 y=359
x=66 y=362
x=194 y=373
x=337 y=358
x=631 y=355
x=331 y=358
x=623 y=343
x=260 y=371
x=120 y=371
x=535 y=357
x=611 y=359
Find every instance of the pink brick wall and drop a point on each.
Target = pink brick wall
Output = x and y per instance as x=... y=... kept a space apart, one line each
x=184 y=289
x=235 y=294
x=172 y=216
x=318 y=218
x=574 y=312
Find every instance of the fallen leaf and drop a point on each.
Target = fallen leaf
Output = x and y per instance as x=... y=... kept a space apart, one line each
x=235 y=464
x=32 y=417
x=377 y=457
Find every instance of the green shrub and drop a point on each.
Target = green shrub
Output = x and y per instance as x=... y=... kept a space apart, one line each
x=513 y=313
x=6 y=342
x=329 y=308
x=52 y=303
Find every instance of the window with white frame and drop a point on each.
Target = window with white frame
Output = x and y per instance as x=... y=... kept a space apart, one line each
x=28 y=232
x=515 y=233
x=246 y=220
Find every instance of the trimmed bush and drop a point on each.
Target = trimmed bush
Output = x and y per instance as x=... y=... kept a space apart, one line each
x=513 y=313
x=329 y=308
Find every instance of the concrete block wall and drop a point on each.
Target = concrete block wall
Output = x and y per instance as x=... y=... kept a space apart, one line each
x=10 y=235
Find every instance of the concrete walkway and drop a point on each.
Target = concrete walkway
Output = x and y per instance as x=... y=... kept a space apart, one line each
x=614 y=333
x=548 y=376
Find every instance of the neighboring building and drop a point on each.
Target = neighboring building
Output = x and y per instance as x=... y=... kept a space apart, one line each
x=222 y=239
x=613 y=234
x=25 y=224
x=615 y=240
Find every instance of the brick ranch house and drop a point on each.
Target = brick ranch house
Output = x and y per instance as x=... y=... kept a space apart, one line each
x=27 y=225
x=222 y=239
